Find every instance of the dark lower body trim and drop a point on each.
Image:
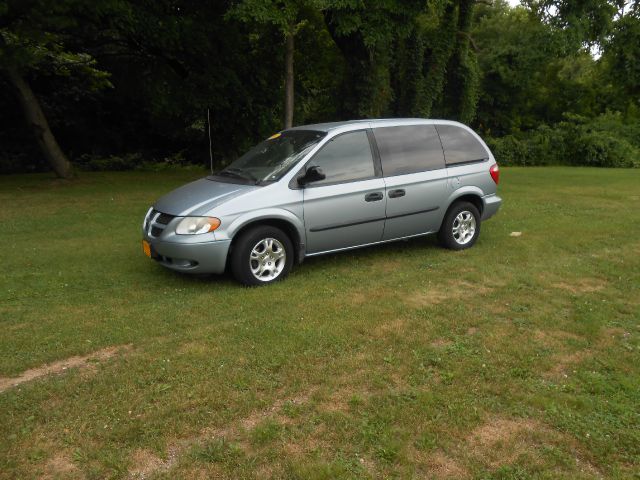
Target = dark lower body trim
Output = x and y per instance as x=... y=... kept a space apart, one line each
x=343 y=225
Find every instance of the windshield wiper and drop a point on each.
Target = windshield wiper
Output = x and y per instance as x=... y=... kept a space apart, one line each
x=239 y=173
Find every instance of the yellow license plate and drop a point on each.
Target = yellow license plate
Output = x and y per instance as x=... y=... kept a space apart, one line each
x=146 y=248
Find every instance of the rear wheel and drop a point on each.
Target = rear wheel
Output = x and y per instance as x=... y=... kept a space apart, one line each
x=262 y=255
x=460 y=227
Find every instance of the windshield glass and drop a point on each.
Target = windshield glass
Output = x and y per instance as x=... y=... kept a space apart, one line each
x=270 y=160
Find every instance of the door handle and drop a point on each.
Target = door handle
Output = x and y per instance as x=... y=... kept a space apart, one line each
x=373 y=197
x=397 y=193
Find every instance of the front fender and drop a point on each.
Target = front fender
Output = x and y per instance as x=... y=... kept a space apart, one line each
x=265 y=214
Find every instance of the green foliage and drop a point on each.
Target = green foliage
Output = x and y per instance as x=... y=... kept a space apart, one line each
x=606 y=141
x=36 y=36
x=125 y=84
x=621 y=59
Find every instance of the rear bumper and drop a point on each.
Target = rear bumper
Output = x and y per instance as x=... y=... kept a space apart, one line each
x=206 y=257
x=491 y=206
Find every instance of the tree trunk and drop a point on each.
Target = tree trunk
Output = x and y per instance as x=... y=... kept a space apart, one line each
x=38 y=123
x=288 y=79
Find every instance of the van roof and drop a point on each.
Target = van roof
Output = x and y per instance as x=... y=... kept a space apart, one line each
x=379 y=122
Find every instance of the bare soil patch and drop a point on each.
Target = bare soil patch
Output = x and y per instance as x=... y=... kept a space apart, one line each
x=434 y=295
x=500 y=442
x=565 y=359
x=61 y=466
x=441 y=343
x=395 y=326
x=583 y=285
x=55 y=368
x=145 y=463
x=440 y=466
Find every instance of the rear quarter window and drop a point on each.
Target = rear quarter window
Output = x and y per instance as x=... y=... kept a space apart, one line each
x=460 y=146
x=409 y=149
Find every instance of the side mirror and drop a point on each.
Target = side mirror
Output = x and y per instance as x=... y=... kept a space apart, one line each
x=313 y=174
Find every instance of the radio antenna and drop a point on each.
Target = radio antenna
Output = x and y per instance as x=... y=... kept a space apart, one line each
x=210 y=148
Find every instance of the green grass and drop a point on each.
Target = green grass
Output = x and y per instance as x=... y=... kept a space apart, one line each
x=516 y=359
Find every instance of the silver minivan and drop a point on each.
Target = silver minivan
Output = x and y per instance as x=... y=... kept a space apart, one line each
x=324 y=188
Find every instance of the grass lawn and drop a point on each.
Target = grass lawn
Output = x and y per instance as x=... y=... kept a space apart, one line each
x=519 y=358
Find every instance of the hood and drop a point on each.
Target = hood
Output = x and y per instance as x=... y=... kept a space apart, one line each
x=199 y=197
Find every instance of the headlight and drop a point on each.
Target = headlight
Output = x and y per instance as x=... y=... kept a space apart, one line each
x=197 y=225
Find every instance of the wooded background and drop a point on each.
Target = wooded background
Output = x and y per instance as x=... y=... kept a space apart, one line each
x=115 y=84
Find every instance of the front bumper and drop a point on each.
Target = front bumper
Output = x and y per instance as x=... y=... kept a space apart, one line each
x=205 y=257
x=491 y=206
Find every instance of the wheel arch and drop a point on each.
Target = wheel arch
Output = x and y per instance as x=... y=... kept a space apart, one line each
x=472 y=195
x=287 y=225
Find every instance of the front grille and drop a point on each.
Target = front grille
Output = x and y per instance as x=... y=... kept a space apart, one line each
x=164 y=218
x=156 y=222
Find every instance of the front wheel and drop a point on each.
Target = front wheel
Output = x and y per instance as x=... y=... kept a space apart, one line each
x=461 y=226
x=262 y=255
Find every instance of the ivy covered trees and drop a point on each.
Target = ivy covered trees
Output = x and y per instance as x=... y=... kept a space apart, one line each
x=132 y=80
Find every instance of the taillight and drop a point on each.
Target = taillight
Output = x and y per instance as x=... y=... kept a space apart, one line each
x=495 y=173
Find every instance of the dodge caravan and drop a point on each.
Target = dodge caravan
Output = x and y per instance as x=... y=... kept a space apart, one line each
x=324 y=188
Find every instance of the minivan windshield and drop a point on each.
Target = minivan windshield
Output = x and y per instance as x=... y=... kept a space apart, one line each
x=270 y=160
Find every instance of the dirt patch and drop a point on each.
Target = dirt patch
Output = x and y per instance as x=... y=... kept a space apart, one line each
x=500 y=442
x=395 y=326
x=564 y=363
x=434 y=295
x=555 y=336
x=61 y=466
x=340 y=399
x=441 y=466
x=388 y=266
x=369 y=296
x=612 y=334
x=252 y=420
x=55 y=368
x=583 y=285
x=145 y=464
x=441 y=343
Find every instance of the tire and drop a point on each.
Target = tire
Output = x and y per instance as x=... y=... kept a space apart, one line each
x=261 y=255
x=461 y=226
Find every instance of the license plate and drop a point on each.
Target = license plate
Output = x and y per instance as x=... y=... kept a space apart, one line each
x=146 y=248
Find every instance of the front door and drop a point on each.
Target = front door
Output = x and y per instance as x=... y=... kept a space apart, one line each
x=347 y=208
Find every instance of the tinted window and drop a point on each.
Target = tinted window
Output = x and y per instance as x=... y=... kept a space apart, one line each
x=409 y=149
x=459 y=145
x=346 y=157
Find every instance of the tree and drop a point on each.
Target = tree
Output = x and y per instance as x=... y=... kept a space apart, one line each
x=32 y=40
x=403 y=54
x=288 y=16
x=621 y=61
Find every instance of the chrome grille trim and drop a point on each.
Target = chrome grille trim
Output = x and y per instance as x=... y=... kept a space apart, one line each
x=156 y=222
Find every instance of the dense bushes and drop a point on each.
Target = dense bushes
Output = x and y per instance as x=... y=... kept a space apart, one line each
x=604 y=141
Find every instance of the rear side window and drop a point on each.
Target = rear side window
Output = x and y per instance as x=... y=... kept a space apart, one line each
x=460 y=146
x=345 y=158
x=409 y=149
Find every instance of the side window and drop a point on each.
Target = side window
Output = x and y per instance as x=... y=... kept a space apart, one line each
x=459 y=145
x=345 y=158
x=409 y=149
